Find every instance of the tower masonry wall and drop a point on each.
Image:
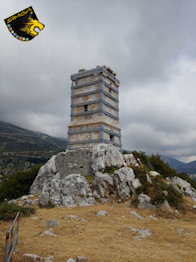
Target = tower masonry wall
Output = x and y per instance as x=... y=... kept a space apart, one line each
x=94 y=109
x=83 y=127
x=86 y=79
x=86 y=89
x=109 y=81
x=112 y=93
x=86 y=98
x=91 y=107
x=110 y=110
x=83 y=145
x=110 y=101
x=84 y=136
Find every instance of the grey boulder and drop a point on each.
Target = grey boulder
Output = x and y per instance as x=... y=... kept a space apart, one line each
x=145 y=202
x=52 y=223
x=166 y=207
x=45 y=174
x=125 y=182
x=71 y=191
x=31 y=258
x=131 y=160
x=103 y=185
x=154 y=173
x=182 y=186
x=101 y=213
x=106 y=155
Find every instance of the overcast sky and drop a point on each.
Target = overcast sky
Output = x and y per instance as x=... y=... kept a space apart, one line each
x=151 y=45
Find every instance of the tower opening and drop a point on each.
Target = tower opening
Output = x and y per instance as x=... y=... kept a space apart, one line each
x=111 y=137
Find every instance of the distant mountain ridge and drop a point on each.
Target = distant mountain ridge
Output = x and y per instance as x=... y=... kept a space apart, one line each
x=15 y=139
x=189 y=168
x=21 y=148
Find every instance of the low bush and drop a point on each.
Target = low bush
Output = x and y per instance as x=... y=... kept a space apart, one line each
x=140 y=173
x=125 y=152
x=142 y=156
x=89 y=179
x=48 y=205
x=156 y=189
x=170 y=194
x=18 y=184
x=187 y=178
x=110 y=169
x=160 y=166
x=9 y=211
x=166 y=171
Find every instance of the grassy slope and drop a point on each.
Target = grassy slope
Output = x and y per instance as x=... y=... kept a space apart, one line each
x=106 y=239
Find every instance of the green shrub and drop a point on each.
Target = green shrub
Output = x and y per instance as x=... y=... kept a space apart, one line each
x=156 y=189
x=140 y=173
x=173 y=196
x=124 y=152
x=160 y=166
x=18 y=184
x=89 y=179
x=48 y=205
x=187 y=178
x=110 y=169
x=142 y=156
x=166 y=171
x=9 y=211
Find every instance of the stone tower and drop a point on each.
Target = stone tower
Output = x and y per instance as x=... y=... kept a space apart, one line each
x=94 y=108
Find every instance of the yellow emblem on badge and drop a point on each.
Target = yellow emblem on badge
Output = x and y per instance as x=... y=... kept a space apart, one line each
x=23 y=24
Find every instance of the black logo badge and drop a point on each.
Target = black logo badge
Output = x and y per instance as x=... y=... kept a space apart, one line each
x=23 y=24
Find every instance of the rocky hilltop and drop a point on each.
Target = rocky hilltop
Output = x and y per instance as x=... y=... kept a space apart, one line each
x=82 y=177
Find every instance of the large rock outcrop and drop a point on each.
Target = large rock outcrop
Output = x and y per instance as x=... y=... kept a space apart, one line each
x=84 y=161
x=45 y=174
x=125 y=182
x=145 y=202
x=64 y=164
x=106 y=155
x=74 y=162
x=103 y=185
x=61 y=181
x=182 y=186
x=131 y=160
x=71 y=191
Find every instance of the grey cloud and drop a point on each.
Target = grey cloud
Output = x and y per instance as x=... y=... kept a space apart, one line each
x=143 y=41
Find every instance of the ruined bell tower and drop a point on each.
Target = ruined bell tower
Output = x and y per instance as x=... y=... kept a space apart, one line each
x=94 y=108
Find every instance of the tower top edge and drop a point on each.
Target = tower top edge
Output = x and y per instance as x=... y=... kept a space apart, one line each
x=99 y=69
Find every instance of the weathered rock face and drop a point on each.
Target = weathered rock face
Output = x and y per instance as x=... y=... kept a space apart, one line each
x=74 y=162
x=31 y=258
x=145 y=202
x=131 y=160
x=154 y=173
x=166 y=207
x=45 y=174
x=125 y=182
x=182 y=186
x=63 y=164
x=103 y=185
x=106 y=155
x=71 y=191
